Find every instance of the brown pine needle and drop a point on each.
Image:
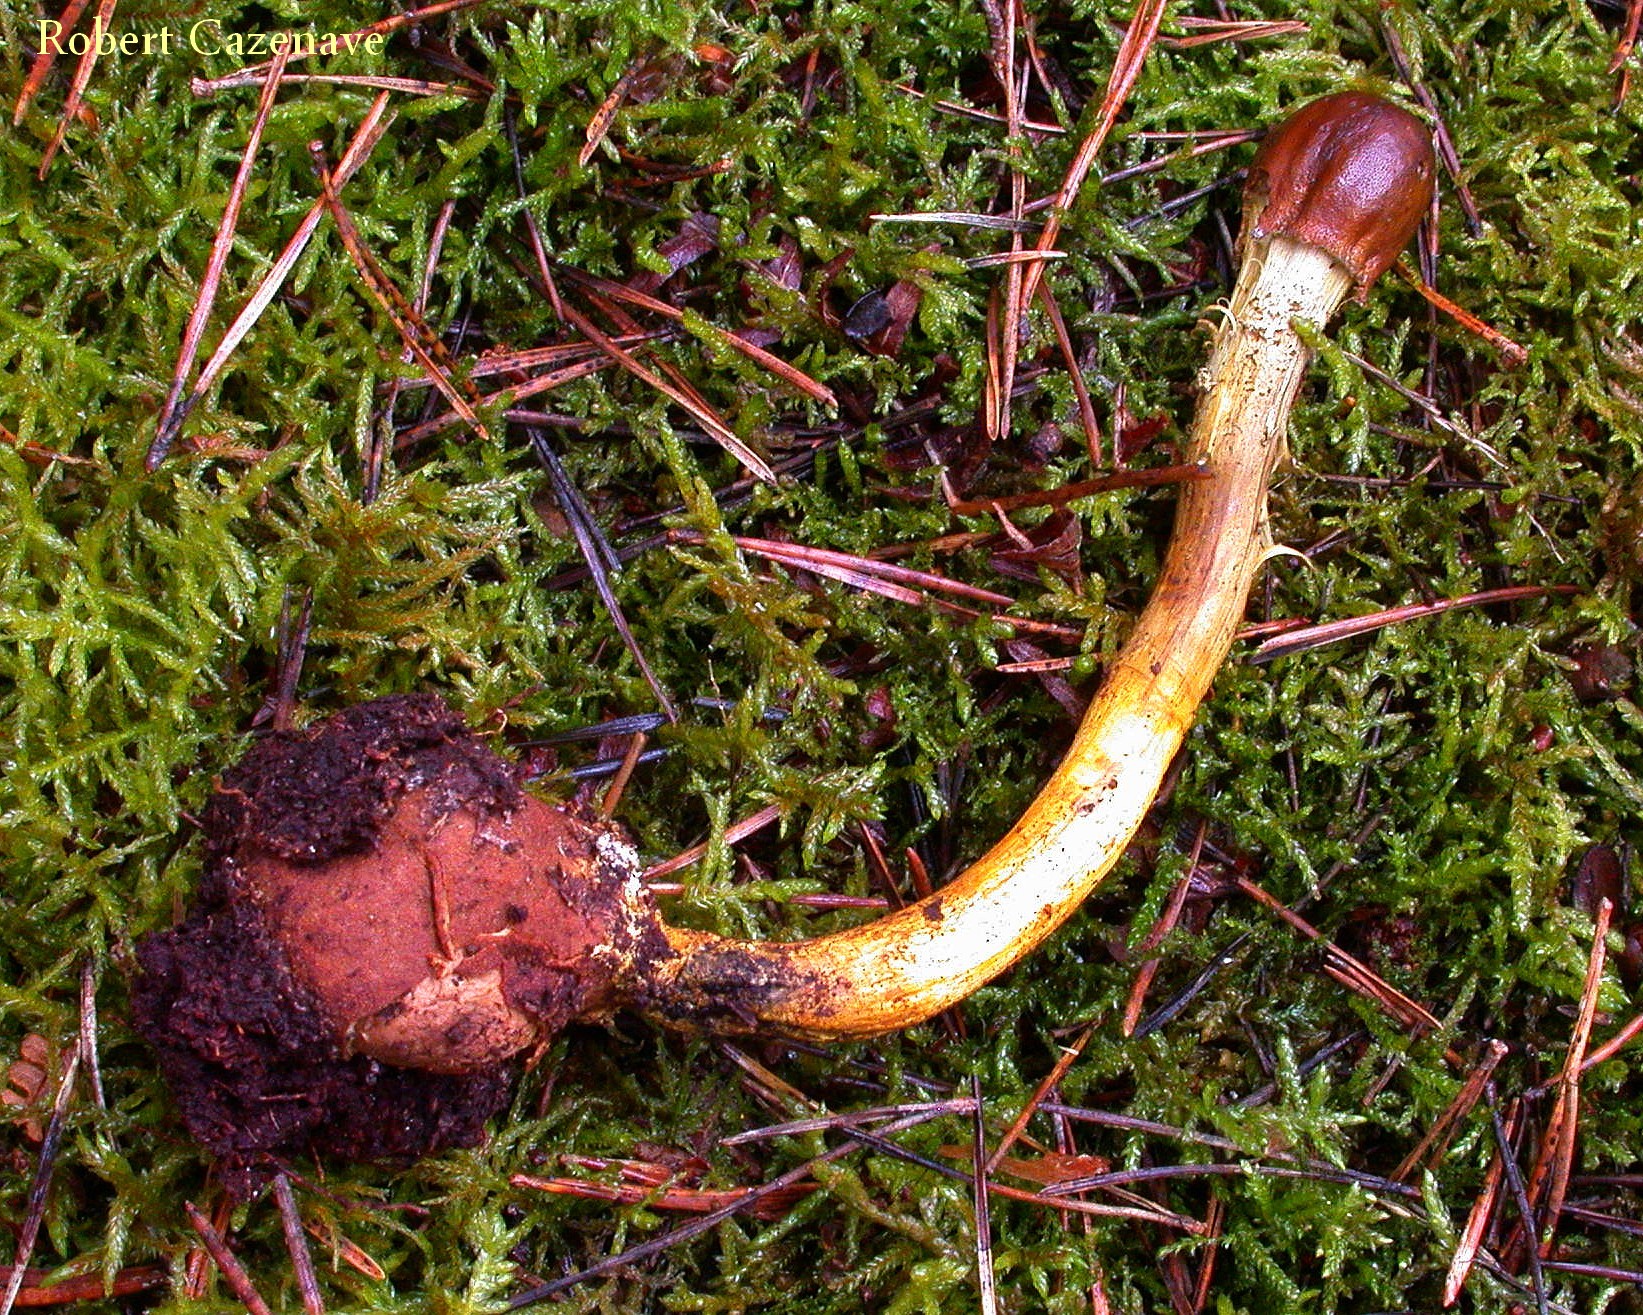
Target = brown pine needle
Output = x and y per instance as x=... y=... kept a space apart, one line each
x=1064 y=1061
x=984 y=116
x=1209 y=143
x=619 y=783
x=1549 y=1179
x=1443 y=1128
x=221 y=245
x=654 y=1195
x=1351 y=972
x=599 y=557
x=1001 y=29
x=422 y=342
x=1060 y=497
x=1214 y=1222
x=1512 y=353
x=1156 y=934
x=197 y=1268
x=1445 y=141
x=1471 y=1236
x=898 y=583
x=605 y=115
x=366 y=136
x=1075 y=373
x=348 y=1251
x=40 y=69
x=90 y=1064
x=734 y=834
x=252 y=74
x=77 y=88
x=204 y=88
x=382 y=438
x=746 y=1200
x=553 y=355
x=586 y=360
x=787 y=373
x=905 y=583
x=703 y=414
x=228 y=1264
x=37 y=1292
x=1138 y=40
x=679 y=391
x=1331 y=632
x=1615 y=1044
x=1208 y=31
x=1628 y=38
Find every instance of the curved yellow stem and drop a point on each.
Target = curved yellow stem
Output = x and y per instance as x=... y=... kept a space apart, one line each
x=911 y=964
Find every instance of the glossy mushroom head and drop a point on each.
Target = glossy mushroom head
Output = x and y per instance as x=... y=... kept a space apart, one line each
x=1351 y=174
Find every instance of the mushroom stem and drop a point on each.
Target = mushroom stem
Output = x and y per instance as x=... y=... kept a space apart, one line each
x=908 y=965
x=385 y=916
x=1334 y=219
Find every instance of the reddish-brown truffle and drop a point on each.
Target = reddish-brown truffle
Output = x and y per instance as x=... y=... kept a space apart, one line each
x=1350 y=174
x=385 y=919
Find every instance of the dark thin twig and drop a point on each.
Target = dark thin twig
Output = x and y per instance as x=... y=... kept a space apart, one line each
x=706 y=1223
x=1611 y=1272
x=228 y=1263
x=1181 y=202
x=1316 y=1060
x=602 y=561
x=610 y=766
x=1440 y=129
x=1165 y=1172
x=88 y=1032
x=293 y=650
x=538 y=248
x=40 y=1188
x=985 y=1277
x=1520 y=1196
x=302 y=1263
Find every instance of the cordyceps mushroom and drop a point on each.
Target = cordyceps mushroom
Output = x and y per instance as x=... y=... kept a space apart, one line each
x=386 y=917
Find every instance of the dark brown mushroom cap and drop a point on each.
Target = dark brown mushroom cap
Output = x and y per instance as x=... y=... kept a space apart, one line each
x=1350 y=174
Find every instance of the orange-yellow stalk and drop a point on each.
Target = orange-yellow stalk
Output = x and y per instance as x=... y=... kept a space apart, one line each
x=1334 y=195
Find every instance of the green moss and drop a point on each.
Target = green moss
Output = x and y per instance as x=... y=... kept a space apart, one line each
x=138 y=618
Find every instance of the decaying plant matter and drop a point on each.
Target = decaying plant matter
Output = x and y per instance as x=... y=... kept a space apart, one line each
x=386 y=917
